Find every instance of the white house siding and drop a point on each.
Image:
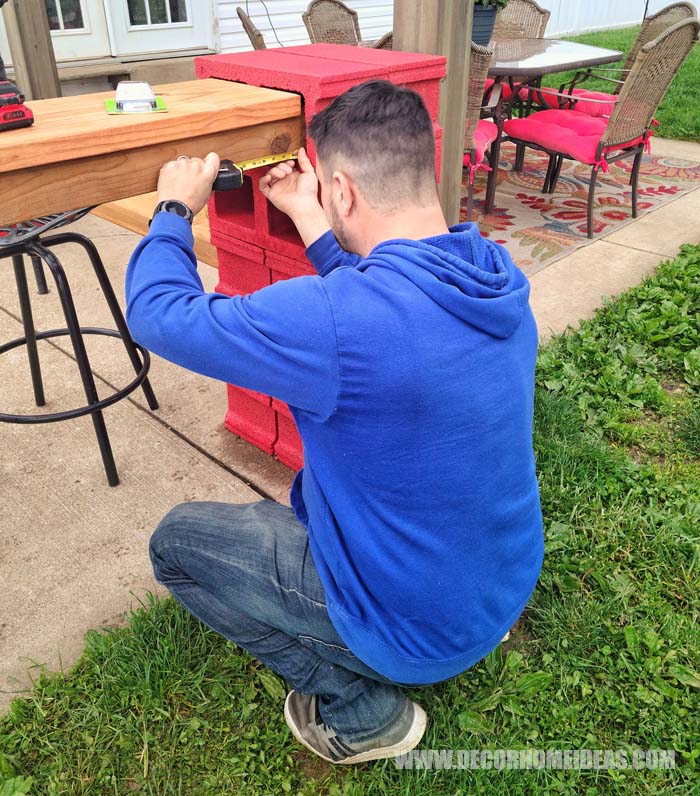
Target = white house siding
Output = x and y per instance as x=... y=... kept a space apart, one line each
x=568 y=17
x=376 y=19
x=572 y=16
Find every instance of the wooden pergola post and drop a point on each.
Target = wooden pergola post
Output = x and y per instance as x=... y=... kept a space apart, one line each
x=33 y=59
x=443 y=28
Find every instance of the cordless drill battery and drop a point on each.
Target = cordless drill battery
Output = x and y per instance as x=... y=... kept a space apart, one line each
x=13 y=111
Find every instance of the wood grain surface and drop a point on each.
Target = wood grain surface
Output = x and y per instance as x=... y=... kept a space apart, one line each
x=77 y=156
x=67 y=128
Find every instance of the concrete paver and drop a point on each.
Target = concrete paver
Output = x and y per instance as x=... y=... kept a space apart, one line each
x=573 y=288
x=664 y=230
x=73 y=551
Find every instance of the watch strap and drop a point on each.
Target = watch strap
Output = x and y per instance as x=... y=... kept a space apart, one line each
x=174 y=206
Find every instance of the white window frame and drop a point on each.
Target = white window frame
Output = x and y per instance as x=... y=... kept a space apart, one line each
x=158 y=25
x=86 y=29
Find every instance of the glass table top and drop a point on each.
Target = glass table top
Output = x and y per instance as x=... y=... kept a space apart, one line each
x=545 y=56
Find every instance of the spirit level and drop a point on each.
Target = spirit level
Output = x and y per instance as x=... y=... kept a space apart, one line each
x=230 y=174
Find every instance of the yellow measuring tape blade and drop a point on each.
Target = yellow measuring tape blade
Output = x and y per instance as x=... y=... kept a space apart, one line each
x=266 y=160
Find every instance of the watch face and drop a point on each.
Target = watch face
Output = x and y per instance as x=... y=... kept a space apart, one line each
x=176 y=207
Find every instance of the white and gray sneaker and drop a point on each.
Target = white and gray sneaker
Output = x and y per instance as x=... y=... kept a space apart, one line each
x=304 y=720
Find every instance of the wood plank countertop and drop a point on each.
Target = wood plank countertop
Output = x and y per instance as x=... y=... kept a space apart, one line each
x=76 y=155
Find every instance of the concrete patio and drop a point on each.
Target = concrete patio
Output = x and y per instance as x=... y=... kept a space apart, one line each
x=73 y=552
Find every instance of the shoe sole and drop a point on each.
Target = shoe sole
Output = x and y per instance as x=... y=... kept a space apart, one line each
x=412 y=738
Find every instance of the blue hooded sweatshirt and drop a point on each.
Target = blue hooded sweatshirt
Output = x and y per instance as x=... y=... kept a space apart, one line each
x=410 y=374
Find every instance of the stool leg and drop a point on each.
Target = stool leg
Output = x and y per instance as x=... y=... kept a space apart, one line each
x=29 y=330
x=81 y=357
x=114 y=308
x=41 y=286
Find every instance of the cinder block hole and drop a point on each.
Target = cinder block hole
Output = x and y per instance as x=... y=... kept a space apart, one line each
x=237 y=205
x=281 y=225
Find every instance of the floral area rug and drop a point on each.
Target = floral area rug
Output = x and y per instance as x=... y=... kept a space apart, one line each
x=540 y=228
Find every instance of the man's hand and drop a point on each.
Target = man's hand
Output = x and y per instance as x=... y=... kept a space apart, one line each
x=188 y=180
x=295 y=192
x=291 y=190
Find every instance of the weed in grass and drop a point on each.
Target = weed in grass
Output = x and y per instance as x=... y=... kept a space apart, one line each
x=687 y=428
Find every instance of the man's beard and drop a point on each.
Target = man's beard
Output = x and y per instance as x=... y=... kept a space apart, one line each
x=338 y=228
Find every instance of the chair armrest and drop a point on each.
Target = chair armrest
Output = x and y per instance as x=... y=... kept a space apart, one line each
x=494 y=97
x=569 y=97
x=582 y=76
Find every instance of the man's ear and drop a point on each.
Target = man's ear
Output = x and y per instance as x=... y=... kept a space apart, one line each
x=345 y=193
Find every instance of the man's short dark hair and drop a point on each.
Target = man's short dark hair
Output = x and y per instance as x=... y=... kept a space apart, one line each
x=382 y=135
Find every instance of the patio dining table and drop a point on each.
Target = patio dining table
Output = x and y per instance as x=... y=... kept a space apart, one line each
x=525 y=62
x=531 y=59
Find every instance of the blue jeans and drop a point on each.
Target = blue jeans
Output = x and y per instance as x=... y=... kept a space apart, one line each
x=246 y=571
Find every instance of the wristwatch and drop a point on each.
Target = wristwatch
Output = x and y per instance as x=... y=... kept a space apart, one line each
x=173 y=206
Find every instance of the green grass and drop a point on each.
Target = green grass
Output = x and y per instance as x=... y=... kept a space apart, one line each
x=605 y=656
x=679 y=113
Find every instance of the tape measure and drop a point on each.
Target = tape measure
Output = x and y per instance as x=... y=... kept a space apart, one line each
x=230 y=174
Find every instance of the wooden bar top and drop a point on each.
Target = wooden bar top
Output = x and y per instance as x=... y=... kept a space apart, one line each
x=67 y=128
x=77 y=155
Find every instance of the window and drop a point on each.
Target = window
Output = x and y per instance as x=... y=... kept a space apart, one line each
x=65 y=15
x=157 y=12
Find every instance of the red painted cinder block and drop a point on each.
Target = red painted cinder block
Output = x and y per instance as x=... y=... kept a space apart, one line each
x=282 y=408
x=321 y=72
x=417 y=71
x=243 y=223
x=429 y=91
x=282 y=267
x=288 y=446
x=301 y=72
x=252 y=419
x=245 y=214
x=242 y=267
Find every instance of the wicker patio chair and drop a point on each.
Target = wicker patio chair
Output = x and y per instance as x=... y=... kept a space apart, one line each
x=597 y=141
x=331 y=22
x=255 y=36
x=386 y=42
x=652 y=27
x=480 y=134
x=520 y=19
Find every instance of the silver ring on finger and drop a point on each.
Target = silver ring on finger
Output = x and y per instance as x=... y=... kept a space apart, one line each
x=183 y=157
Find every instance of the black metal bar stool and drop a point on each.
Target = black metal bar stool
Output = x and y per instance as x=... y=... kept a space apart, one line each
x=29 y=238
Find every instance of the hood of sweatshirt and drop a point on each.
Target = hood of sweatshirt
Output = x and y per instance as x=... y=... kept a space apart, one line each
x=470 y=276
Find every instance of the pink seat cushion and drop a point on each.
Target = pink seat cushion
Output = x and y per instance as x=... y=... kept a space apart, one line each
x=548 y=98
x=485 y=133
x=569 y=132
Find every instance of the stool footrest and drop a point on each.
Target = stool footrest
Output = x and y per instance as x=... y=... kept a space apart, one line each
x=68 y=414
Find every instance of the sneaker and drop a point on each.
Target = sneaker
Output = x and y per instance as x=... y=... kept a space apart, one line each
x=304 y=720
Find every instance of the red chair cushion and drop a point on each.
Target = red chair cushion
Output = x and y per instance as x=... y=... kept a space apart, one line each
x=485 y=133
x=547 y=98
x=569 y=132
x=506 y=90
